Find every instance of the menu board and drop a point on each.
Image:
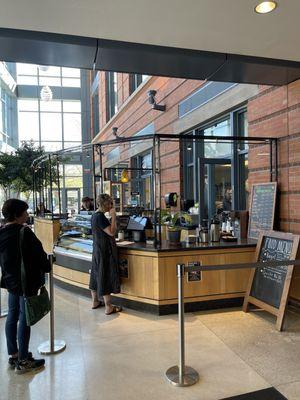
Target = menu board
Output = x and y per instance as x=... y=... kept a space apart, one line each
x=268 y=287
x=268 y=282
x=262 y=208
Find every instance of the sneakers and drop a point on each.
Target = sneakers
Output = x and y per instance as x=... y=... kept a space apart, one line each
x=13 y=361
x=29 y=365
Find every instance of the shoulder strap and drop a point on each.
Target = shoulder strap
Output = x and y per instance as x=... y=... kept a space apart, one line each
x=23 y=272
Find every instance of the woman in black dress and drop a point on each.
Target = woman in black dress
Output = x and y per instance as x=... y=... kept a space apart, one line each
x=104 y=278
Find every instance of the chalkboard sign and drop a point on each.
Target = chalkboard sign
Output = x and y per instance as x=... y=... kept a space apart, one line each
x=268 y=287
x=262 y=208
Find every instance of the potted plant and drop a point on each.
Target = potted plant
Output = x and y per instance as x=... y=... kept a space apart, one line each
x=173 y=222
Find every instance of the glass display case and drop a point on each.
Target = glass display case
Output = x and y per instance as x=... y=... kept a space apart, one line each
x=76 y=234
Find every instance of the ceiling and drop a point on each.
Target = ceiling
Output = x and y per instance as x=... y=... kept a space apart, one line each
x=196 y=39
x=226 y=26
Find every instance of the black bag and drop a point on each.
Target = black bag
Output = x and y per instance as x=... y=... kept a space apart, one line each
x=36 y=307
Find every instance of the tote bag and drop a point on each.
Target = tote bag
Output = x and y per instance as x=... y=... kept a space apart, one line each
x=36 y=307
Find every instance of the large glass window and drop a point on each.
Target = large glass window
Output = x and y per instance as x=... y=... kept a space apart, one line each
x=29 y=126
x=72 y=127
x=215 y=173
x=55 y=124
x=51 y=127
x=213 y=149
x=30 y=74
x=96 y=112
x=111 y=94
x=141 y=181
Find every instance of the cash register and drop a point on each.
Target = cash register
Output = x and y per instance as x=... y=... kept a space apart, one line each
x=136 y=227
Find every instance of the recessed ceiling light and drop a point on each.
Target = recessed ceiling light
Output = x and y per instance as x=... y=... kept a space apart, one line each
x=265 y=7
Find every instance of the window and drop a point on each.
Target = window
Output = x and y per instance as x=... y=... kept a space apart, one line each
x=213 y=149
x=141 y=181
x=72 y=106
x=29 y=126
x=111 y=94
x=53 y=105
x=51 y=146
x=213 y=170
x=51 y=122
x=28 y=105
x=73 y=175
x=31 y=74
x=135 y=80
x=95 y=113
x=51 y=126
x=72 y=127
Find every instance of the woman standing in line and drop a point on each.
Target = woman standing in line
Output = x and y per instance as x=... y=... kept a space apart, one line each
x=104 y=278
x=36 y=264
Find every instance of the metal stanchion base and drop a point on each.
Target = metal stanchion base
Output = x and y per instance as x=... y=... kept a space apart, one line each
x=190 y=377
x=45 y=348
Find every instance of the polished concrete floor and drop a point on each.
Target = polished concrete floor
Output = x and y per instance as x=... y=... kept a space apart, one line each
x=125 y=356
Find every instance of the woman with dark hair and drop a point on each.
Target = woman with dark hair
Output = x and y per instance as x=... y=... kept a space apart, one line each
x=36 y=264
x=104 y=278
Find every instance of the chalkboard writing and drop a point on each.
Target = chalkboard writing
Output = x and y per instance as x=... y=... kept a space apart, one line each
x=268 y=282
x=262 y=208
x=268 y=287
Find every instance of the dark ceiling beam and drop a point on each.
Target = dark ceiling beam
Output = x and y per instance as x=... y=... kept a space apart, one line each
x=110 y=55
x=47 y=48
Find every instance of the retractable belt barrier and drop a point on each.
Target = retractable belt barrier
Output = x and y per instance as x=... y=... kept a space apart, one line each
x=181 y=374
x=52 y=346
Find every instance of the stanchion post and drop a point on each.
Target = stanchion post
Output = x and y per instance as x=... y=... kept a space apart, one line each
x=181 y=375
x=52 y=346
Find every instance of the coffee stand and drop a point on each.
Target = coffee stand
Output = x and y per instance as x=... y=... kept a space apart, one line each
x=149 y=280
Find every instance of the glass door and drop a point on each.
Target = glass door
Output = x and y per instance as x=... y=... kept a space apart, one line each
x=215 y=194
x=72 y=199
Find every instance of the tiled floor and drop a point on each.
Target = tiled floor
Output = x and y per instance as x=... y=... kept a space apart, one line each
x=125 y=356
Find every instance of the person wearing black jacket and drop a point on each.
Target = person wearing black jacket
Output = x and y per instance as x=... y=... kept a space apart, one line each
x=36 y=264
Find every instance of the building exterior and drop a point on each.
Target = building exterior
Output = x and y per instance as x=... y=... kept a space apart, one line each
x=201 y=108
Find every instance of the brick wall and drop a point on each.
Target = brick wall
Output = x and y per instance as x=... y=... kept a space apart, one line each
x=137 y=114
x=275 y=112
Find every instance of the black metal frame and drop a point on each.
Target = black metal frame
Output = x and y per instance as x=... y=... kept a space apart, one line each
x=156 y=139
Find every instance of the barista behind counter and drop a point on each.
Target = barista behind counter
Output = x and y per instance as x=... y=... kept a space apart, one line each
x=87 y=204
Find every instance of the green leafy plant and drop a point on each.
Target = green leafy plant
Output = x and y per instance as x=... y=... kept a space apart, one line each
x=174 y=220
x=16 y=172
x=8 y=173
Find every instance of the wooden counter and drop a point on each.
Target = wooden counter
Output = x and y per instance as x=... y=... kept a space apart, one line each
x=47 y=230
x=152 y=283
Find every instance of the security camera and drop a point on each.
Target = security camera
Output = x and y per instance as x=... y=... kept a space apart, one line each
x=151 y=99
x=114 y=131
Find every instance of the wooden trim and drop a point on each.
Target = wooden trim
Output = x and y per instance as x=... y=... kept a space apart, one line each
x=175 y=300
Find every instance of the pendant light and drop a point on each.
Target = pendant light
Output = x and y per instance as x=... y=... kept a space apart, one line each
x=43 y=68
x=124 y=176
x=46 y=93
